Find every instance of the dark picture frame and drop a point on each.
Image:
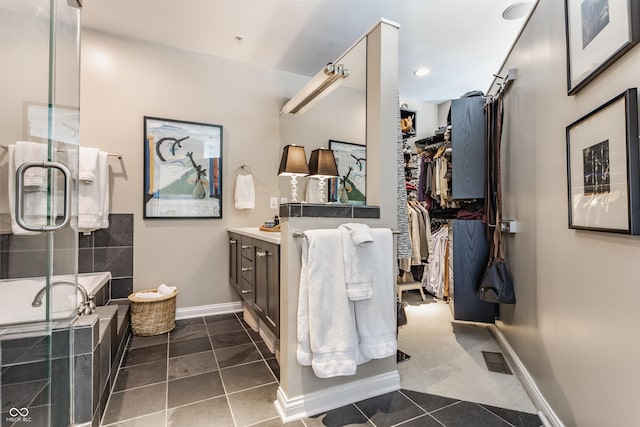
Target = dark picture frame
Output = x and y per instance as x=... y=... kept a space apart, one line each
x=182 y=169
x=350 y=187
x=598 y=32
x=603 y=167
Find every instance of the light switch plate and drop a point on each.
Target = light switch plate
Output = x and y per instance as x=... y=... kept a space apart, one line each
x=273 y=203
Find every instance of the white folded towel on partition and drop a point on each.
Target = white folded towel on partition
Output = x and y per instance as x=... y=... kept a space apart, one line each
x=326 y=328
x=358 y=265
x=35 y=202
x=360 y=233
x=35 y=179
x=88 y=164
x=93 y=198
x=376 y=317
x=245 y=195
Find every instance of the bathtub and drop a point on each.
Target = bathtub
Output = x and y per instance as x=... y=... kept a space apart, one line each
x=18 y=294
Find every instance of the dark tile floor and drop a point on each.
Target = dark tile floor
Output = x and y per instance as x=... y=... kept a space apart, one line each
x=216 y=371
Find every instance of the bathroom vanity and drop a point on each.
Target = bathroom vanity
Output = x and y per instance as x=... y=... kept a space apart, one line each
x=254 y=272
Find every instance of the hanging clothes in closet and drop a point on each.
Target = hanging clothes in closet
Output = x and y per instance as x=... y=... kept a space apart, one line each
x=434 y=279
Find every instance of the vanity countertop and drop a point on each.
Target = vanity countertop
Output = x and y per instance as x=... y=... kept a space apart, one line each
x=255 y=232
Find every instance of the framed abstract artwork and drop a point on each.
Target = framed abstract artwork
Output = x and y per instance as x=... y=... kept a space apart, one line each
x=598 y=32
x=182 y=169
x=602 y=167
x=350 y=187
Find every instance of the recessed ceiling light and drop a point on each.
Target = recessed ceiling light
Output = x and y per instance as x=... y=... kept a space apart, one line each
x=517 y=10
x=421 y=72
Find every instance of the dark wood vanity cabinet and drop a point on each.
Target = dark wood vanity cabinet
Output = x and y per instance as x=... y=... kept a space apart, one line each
x=266 y=302
x=254 y=272
x=235 y=259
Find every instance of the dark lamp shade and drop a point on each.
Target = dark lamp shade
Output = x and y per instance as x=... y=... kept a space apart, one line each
x=293 y=162
x=322 y=163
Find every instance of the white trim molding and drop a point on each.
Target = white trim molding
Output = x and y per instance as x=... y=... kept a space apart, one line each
x=545 y=411
x=208 y=310
x=291 y=409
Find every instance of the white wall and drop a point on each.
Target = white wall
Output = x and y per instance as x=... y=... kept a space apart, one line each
x=575 y=324
x=124 y=80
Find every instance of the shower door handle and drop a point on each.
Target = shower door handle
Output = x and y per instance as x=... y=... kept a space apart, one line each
x=20 y=196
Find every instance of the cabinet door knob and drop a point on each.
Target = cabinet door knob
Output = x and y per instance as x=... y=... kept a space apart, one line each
x=245 y=246
x=261 y=254
x=233 y=242
x=246 y=269
x=245 y=291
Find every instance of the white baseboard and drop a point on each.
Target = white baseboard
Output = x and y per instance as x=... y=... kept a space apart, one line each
x=334 y=397
x=208 y=310
x=545 y=412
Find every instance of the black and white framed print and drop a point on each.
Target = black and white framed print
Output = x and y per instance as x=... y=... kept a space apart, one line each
x=602 y=167
x=597 y=33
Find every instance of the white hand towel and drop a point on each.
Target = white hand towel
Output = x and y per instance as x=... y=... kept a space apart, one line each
x=35 y=202
x=245 y=196
x=376 y=317
x=87 y=164
x=360 y=233
x=326 y=331
x=35 y=179
x=93 y=198
x=148 y=295
x=166 y=290
x=358 y=267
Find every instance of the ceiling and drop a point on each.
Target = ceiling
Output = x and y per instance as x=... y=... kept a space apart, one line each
x=462 y=42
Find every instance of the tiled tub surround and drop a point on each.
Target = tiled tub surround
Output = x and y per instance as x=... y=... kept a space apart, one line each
x=109 y=249
x=98 y=344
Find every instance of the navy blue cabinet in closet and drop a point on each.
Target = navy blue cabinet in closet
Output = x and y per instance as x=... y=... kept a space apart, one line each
x=468 y=148
x=470 y=247
x=467 y=265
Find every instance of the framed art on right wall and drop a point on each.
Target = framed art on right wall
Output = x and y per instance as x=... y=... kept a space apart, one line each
x=602 y=167
x=598 y=32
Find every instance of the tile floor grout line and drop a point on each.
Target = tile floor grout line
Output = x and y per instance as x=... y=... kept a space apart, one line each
x=445 y=407
x=252 y=388
x=166 y=390
x=415 y=418
x=124 y=351
x=412 y=401
x=494 y=414
x=224 y=389
x=363 y=414
x=130 y=419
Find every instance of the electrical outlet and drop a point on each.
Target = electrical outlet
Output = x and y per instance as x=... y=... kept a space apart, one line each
x=273 y=203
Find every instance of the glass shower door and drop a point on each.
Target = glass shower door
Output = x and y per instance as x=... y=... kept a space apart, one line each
x=39 y=126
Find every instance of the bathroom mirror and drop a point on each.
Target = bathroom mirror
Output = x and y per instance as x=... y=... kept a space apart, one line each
x=339 y=116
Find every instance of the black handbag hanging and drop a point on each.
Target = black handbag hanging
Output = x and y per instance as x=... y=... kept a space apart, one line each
x=497 y=284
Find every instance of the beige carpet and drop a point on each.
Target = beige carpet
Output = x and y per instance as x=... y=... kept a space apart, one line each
x=446 y=358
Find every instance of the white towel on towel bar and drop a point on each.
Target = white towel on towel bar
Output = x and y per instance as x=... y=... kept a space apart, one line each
x=93 y=198
x=245 y=195
x=326 y=328
x=88 y=164
x=376 y=317
x=35 y=179
x=358 y=264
